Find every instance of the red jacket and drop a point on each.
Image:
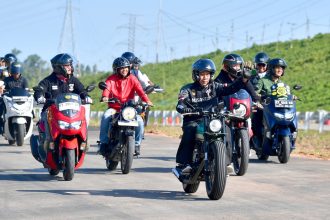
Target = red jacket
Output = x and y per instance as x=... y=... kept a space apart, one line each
x=123 y=89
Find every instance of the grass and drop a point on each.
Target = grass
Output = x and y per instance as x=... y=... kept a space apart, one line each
x=309 y=143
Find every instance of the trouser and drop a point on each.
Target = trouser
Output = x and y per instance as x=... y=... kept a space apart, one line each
x=257 y=123
x=43 y=118
x=186 y=147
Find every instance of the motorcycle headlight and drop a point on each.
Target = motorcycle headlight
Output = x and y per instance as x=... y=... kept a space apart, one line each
x=289 y=115
x=215 y=125
x=129 y=113
x=76 y=125
x=240 y=111
x=63 y=124
x=279 y=116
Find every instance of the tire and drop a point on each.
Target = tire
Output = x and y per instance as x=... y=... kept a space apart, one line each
x=69 y=164
x=53 y=172
x=241 y=159
x=20 y=133
x=127 y=155
x=111 y=165
x=215 y=181
x=285 y=147
x=191 y=188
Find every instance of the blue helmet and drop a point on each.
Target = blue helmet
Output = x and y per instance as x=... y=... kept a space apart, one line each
x=15 y=68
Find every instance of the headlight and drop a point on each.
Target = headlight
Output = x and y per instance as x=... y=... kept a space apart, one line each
x=289 y=115
x=65 y=125
x=215 y=125
x=279 y=116
x=241 y=111
x=129 y=113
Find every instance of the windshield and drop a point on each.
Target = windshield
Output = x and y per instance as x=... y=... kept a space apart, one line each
x=68 y=103
x=18 y=92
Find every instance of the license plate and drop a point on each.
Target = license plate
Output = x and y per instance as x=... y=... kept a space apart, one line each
x=283 y=103
x=128 y=123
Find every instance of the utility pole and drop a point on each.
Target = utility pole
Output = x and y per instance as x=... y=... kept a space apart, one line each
x=291 y=30
x=159 y=22
x=279 y=36
x=232 y=36
x=307 y=27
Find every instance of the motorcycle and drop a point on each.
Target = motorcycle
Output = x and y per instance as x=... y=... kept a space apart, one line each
x=210 y=156
x=280 y=126
x=18 y=117
x=68 y=129
x=240 y=105
x=122 y=135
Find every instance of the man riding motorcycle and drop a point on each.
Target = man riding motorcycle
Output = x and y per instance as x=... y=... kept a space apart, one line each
x=260 y=63
x=121 y=85
x=60 y=81
x=200 y=94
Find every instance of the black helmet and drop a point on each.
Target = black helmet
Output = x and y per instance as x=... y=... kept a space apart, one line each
x=276 y=62
x=230 y=60
x=202 y=65
x=129 y=56
x=9 y=58
x=137 y=61
x=59 y=60
x=261 y=58
x=120 y=62
x=15 y=68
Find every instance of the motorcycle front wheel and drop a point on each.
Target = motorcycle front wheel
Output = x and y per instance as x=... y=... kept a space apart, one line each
x=285 y=146
x=127 y=155
x=216 y=178
x=69 y=164
x=241 y=158
x=20 y=133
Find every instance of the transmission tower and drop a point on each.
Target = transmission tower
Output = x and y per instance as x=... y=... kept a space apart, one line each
x=67 y=33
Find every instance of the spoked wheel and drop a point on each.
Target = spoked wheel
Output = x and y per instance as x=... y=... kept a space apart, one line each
x=69 y=164
x=285 y=146
x=215 y=180
x=111 y=165
x=190 y=188
x=127 y=155
x=241 y=158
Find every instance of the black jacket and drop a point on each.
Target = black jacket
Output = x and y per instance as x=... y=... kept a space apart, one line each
x=52 y=86
x=223 y=77
x=11 y=82
x=193 y=95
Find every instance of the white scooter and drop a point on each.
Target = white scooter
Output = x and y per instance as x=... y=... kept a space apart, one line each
x=18 y=117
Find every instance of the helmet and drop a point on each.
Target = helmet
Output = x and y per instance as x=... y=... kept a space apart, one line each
x=276 y=62
x=137 y=61
x=129 y=56
x=261 y=58
x=59 y=60
x=120 y=62
x=15 y=68
x=202 y=65
x=9 y=58
x=230 y=60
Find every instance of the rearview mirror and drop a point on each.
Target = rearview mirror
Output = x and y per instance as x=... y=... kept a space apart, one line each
x=297 y=87
x=102 y=85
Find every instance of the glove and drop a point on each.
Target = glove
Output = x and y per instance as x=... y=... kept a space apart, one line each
x=186 y=110
x=248 y=65
x=41 y=100
x=88 y=100
x=246 y=73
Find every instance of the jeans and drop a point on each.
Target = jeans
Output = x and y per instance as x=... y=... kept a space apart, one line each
x=105 y=127
x=45 y=121
x=186 y=147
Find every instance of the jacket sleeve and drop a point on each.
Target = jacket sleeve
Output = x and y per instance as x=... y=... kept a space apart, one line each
x=251 y=91
x=139 y=90
x=79 y=88
x=43 y=84
x=232 y=88
x=183 y=98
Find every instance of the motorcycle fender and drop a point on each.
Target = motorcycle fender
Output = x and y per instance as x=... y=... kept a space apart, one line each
x=19 y=120
x=68 y=144
x=284 y=131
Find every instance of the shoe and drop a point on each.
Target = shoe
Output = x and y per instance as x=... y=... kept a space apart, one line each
x=230 y=169
x=137 y=150
x=102 y=148
x=186 y=169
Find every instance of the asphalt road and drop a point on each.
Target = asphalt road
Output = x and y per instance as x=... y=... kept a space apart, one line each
x=269 y=190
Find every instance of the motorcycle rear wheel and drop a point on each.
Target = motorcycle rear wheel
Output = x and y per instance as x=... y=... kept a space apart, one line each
x=241 y=159
x=127 y=155
x=69 y=164
x=285 y=146
x=215 y=181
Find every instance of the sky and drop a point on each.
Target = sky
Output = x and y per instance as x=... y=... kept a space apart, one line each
x=98 y=31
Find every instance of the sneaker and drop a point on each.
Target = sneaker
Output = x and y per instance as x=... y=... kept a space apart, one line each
x=187 y=169
x=230 y=169
x=137 y=150
x=102 y=148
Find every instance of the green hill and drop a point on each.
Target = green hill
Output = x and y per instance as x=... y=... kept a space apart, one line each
x=308 y=65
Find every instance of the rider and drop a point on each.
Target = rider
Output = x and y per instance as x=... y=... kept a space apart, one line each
x=3 y=69
x=121 y=85
x=232 y=67
x=135 y=63
x=260 y=62
x=202 y=93
x=9 y=58
x=15 y=79
x=61 y=80
x=275 y=70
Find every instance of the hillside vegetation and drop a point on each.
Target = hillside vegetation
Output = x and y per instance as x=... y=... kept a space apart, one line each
x=308 y=65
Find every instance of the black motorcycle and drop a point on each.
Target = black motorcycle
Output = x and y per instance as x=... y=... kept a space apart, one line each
x=210 y=156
